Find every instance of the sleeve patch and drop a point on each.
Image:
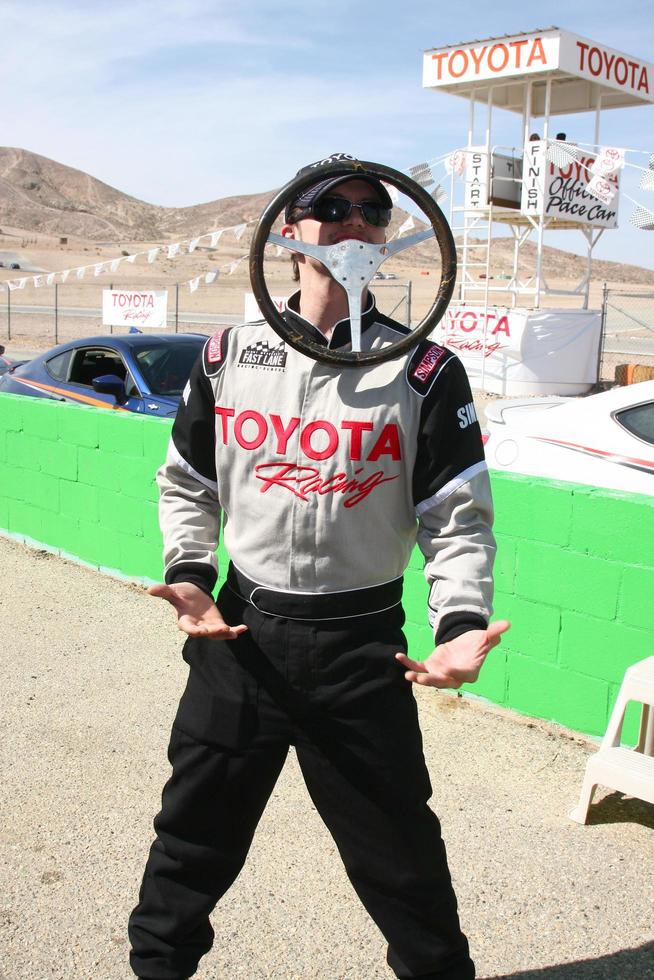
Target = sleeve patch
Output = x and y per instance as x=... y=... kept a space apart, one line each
x=425 y=364
x=215 y=352
x=214 y=349
x=428 y=363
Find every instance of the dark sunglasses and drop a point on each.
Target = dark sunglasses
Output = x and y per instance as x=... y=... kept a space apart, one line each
x=330 y=209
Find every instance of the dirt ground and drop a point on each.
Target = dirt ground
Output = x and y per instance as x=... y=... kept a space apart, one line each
x=92 y=671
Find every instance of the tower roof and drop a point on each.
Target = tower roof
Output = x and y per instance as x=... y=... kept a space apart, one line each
x=581 y=72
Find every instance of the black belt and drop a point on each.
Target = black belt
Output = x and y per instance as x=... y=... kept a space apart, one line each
x=315 y=606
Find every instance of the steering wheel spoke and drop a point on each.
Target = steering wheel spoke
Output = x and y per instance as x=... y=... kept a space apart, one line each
x=355 y=309
x=352 y=263
x=295 y=245
x=400 y=244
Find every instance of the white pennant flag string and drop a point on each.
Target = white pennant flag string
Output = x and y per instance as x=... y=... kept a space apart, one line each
x=422 y=174
x=561 y=154
x=642 y=218
x=609 y=160
x=393 y=192
x=406 y=226
x=600 y=188
x=455 y=163
x=99 y=267
x=194 y=283
x=211 y=276
x=647 y=180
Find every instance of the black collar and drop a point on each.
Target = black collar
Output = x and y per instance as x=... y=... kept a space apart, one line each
x=341 y=332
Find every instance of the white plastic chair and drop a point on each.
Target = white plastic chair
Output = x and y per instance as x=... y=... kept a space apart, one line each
x=626 y=770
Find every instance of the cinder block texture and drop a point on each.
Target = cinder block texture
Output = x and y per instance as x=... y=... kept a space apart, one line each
x=82 y=481
x=579 y=598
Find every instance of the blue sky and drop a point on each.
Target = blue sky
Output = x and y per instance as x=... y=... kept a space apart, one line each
x=180 y=103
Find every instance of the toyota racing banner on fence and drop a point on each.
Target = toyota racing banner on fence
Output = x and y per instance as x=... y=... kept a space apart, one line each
x=251 y=311
x=569 y=190
x=521 y=352
x=145 y=309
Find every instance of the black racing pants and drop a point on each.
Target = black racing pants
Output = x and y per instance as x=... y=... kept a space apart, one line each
x=335 y=692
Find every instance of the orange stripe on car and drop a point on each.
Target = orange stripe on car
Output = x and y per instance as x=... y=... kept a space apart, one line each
x=84 y=399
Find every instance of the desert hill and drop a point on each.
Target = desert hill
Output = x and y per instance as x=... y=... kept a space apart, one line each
x=43 y=196
x=559 y=264
x=39 y=195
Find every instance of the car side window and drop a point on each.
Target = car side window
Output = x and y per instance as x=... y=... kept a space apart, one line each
x=91 y=362
x=131 y=389
x=639 y=421
x=57 y=367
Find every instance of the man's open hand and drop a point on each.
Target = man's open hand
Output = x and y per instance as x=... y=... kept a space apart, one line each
x=197 y=613
x=456 y=662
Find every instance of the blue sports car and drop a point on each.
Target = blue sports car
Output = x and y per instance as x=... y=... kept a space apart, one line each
x=137 y=372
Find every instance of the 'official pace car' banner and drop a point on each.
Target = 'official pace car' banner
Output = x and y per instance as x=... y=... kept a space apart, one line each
x=522 y=352
x=569 y=189
x=145 y=309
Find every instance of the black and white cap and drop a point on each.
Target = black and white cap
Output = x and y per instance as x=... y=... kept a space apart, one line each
x=316 y=191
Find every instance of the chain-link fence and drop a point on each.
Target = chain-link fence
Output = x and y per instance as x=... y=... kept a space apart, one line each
x=34 y=318
x=394 y=300
x=627 y=345
x=62 y=312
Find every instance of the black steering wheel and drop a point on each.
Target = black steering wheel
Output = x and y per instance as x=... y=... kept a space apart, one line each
x=352 y=263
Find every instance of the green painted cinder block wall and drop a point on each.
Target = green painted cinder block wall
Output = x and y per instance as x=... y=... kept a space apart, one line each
x=81 y=481
x=574 y=571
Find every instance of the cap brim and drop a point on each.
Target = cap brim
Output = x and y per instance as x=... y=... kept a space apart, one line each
x=316 y=191
x=376 y=184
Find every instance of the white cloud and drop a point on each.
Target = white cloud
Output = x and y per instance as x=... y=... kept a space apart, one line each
x=179 y=143
x=79 y=44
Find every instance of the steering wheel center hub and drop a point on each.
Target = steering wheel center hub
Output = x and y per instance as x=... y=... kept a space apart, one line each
x=353 y=263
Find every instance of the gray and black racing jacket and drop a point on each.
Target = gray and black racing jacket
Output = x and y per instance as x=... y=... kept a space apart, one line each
x=326 y=477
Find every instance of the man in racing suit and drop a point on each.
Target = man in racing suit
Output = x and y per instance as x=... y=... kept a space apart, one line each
x=325 y=479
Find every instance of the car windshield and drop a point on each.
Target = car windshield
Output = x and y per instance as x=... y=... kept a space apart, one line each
x=166 y=368
x=639 y=420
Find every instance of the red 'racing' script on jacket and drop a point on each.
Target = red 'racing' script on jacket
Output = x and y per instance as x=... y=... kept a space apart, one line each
x=353 y=440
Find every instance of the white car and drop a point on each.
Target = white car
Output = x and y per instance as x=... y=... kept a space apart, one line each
x=603 y=440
